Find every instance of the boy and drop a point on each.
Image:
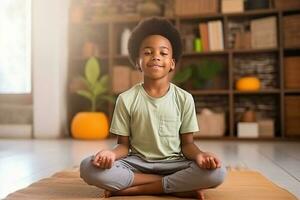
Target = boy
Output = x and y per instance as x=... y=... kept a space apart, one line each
x=154 y=121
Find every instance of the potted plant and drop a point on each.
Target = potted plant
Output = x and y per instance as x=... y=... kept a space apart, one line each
x=198 y=75
x=92 y=124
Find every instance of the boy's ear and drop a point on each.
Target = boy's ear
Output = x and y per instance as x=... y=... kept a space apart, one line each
x=137 y=66
x=172 y=65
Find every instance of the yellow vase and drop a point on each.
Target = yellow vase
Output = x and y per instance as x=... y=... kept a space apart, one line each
x=90 y=125
x=249 y=83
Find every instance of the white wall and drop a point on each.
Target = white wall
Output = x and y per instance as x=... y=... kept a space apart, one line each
x=49 y=60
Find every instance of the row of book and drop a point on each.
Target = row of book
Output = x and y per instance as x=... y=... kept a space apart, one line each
x=211 y=34
x=248 y=34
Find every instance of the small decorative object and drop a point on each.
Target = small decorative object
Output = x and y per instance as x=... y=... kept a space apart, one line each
x=150 y=8
x=197 y=45
x=249 y=115
x=249 y=83
x=247 y=130
x=92 y=125
x=124 y=41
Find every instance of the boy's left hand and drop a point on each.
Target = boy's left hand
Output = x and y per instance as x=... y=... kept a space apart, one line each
x=207 y=160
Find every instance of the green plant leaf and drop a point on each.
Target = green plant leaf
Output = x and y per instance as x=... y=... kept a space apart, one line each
x=99 y=88
x=92 y=70
x=86 y=83
x=86 y=94
x=183 y=75
x=109 y=98
x=104 y=80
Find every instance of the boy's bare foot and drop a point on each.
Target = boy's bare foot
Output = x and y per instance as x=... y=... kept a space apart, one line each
x=107 y=194
x=199 y=194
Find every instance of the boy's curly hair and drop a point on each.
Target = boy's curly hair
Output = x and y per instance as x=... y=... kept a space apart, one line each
x=154 y=26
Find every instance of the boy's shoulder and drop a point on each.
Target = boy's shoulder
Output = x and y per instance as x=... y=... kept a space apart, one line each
x=130 y=93
x=181 y=93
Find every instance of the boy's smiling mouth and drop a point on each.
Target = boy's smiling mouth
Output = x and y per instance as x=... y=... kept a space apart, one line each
x=154 y=65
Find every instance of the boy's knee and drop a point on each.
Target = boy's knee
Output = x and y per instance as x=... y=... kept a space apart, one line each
x=110 y=179
x=85 y=171
x=218 y=176
x=212 y=178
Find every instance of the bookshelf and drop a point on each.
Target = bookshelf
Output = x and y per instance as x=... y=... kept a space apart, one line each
x=274 y=98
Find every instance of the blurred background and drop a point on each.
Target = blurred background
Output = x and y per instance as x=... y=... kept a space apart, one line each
x=61 y=60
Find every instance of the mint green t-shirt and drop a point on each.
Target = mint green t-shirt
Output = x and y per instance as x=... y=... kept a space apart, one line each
x=153 y=124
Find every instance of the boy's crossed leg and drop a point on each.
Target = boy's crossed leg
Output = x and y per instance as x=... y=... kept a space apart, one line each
x=151 y=184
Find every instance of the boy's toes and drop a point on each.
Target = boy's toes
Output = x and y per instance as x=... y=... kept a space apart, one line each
x=107 y=194
x=200 y=194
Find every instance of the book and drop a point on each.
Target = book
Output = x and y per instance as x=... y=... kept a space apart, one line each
x=215 y=35
x=203 y=28
x=263 y=33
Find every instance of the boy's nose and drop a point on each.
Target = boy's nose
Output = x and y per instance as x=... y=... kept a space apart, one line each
x=156 y=58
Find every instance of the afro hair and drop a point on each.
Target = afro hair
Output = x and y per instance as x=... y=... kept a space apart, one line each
x=154 y=26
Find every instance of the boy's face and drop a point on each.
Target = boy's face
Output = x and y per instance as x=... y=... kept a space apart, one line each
x=156 y=57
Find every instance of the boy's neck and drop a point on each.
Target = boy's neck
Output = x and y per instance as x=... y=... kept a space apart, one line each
x=156 y=88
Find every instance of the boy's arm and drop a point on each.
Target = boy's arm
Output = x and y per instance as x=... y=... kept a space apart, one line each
x=192 y=152
x=105 y=158
x=189 y=149
x=122 y=148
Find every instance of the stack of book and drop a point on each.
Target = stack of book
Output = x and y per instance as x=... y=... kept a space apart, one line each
x=211 y=34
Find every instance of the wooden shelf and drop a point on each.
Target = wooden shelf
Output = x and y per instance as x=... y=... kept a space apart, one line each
x=119 y=56
x=251 y=51
x=209 y=92
x=105 y=57
x=208 y=53
x=112 y=26
x=291 y=48
x=292 y=91
x=261 y=92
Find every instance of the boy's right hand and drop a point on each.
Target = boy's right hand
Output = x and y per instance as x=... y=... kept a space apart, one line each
x=104 y=159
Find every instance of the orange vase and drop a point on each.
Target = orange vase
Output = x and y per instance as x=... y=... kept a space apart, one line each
x=90 y=125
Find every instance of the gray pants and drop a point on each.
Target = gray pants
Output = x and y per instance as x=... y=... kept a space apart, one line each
x=178 y=176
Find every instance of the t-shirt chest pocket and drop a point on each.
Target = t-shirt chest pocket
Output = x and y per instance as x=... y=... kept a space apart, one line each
x=169 y=126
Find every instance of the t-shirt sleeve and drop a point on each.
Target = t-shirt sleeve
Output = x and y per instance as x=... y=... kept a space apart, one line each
x=189 y=118
x=120 y=124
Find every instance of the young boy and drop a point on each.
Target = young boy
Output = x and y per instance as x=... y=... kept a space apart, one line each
x=154 y=121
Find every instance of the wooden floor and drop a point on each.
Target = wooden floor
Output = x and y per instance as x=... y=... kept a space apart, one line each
x=23 y=162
